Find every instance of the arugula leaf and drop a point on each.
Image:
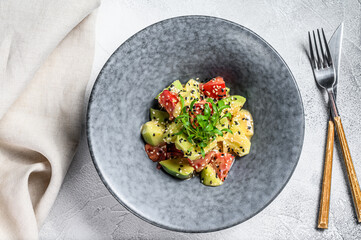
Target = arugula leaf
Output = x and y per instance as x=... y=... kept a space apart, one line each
x=215 y=109
x=203 y=144
x=182 y=101
x=207 y=110
x=210 y=100
x=219 y=132
x=220 y=103
x=227 y=115
x=214 y=120
x=192 y=104
x=190 y=138
x=209 y=128
x=227 y=130
x=203 y=153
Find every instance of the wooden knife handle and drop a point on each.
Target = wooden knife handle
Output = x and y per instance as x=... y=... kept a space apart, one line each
x=352 y=178
x=326 y=181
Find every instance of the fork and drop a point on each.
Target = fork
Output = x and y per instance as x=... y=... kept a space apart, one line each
x=324 y=73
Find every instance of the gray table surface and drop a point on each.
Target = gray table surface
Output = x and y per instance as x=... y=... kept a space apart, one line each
x=85 y=209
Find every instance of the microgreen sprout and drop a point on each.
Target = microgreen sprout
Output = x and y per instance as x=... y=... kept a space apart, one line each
x=200 y=129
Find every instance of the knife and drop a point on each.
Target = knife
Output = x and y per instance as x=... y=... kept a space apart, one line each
x=335 y=45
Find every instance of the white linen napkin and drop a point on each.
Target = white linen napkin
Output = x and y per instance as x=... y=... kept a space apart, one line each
x=46 y=55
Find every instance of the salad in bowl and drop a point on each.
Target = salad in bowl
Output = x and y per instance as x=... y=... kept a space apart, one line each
x=198 y=129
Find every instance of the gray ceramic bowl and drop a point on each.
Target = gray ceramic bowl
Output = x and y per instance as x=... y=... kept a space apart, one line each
x=184 y=48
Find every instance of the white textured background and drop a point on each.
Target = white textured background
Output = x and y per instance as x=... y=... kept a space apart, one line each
x=84 y=208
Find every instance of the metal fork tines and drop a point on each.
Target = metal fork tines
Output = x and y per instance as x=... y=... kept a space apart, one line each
x=323 y=68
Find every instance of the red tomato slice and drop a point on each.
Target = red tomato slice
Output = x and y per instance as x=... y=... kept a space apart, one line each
x=200 y=163
x=173 y=152
x=214 y=88
x=222 y=163
x=198 y=108
x=168 y=100
x=156 y=154
x=162 y=152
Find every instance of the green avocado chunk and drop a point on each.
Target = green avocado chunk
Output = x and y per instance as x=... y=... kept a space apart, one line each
x=169 y=134
x=235 y=99
x=223 y=123
x=190 y=92
x=178 y=167
x=209 y=177
x=176 y=87
x=194 y=152
x=160 y=116
x=183 y=144
x=152 y=132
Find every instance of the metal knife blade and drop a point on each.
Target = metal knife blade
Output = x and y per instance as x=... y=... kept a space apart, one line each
x=335 y=45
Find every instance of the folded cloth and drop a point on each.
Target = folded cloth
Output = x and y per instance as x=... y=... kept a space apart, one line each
x=46 y=55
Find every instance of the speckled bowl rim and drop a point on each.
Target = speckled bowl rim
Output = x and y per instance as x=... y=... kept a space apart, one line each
x=134 y=211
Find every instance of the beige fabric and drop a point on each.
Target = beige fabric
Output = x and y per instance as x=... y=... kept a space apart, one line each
x=46 y=54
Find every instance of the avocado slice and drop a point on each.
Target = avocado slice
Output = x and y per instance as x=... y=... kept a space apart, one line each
x=169 y=134
x=159 y=116
x=178 y=167
x=223 y=123
x=152 y=132
x=209 y=177
x=190 y=92
x=184 y=145
x=238 y=143
x=176 y=87
x=235 y=100
x=242 y=122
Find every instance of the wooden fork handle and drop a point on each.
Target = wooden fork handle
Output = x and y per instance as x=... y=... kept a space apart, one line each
x=326 y=181
x=352 y=178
